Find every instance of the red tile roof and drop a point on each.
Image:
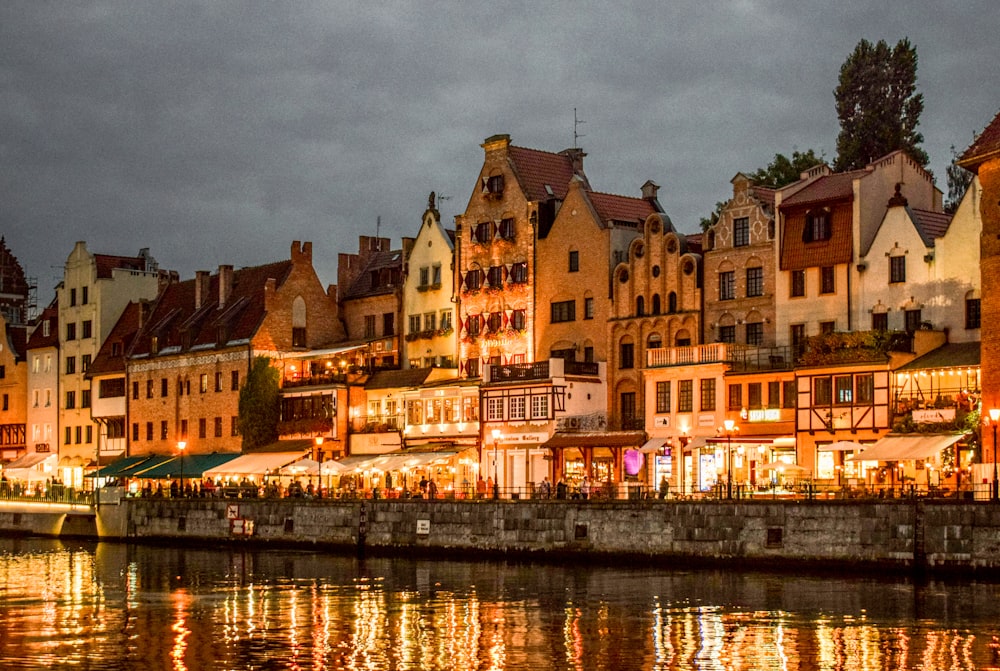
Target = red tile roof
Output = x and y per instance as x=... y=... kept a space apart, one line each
x=983 y=146
x=17 y=335
x=389 y=265
x=931 y=225
x=831 y=187
x=535 y=169
x=107 y=263
x=124 y=331
x=798 y=255
x=38 y=339
x=176 y=322
x=611 y=207
x=764 y=194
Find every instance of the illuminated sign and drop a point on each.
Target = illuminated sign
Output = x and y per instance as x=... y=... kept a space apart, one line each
x=765 y=415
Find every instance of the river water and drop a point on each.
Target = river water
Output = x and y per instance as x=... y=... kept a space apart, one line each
x=110 y=606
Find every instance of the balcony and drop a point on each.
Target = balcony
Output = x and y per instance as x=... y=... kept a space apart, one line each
x=378 y=423
x=320 y=380
x=740 y=357
x=516 y=372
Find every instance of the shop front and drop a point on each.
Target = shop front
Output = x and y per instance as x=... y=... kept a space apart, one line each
x=596 y=463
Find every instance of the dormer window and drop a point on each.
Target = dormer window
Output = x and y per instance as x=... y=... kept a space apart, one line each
x=819 y=226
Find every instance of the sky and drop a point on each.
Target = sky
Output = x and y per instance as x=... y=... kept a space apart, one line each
x=216 y=132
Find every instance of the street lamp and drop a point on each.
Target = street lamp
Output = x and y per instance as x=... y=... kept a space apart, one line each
x=496 y=476
x=995 y=489
x=319 y=460
x=180 y=446
x=729 y=428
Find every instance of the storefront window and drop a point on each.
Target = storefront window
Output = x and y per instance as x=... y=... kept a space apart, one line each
x=824 y=465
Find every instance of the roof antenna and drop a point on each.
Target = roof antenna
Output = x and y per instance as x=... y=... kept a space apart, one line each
x=576 y=135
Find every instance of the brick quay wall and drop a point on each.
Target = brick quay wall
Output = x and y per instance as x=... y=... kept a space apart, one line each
x=938 y=536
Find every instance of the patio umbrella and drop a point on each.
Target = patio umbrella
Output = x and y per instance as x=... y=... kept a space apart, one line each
x=843 y=446
x=333 y=468
x=782 y=466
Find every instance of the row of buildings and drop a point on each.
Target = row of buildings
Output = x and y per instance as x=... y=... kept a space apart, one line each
x=556 y=331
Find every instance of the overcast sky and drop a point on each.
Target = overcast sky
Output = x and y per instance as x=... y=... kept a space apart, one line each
x=217 y=132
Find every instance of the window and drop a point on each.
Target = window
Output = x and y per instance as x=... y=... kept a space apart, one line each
x=494 y=409
x=826 y=280
x=912 y=320
x=482 y=232
x=626 y=409
x=88 y=329
x=86 y=298
x=89 y=435
x=414 y=323
x=517 y=320
x=425 y=276
x=388 y=323
x=163 y=387
x=184 y=429
x=507 y=228
x=116 y=427
x=494 y=185
x=539 y=406
x=111 y=388
x=818 y=226
x=234 y=426
x=473 y=324
x=518 y=407
x=218 y=427
x=70 y=400
x=149 y=431
x=298 y=336
x=135 y=390
x=755 y=333
x=436 y=275
x=897 y=269
x=626 y=355
x=163 y=430
x=85 y=360
x=789 y=393
x=727 y=333
x=70 y=365
x=822 y=391
x=78 y=434
x=755 y=282
x=70 y=331
x=774 y=394
x=662 y=397
x=495 y=276
x=446 y=320
x=727 y=285
x=826 y=328
x=474 y=279
x=202 y=427
x=755 y=397
x=735 y=396
x=149 y=389
x=494 y=322
x=84 y=398
x=234 y=381
x=69 y=434
x=798 y=338
x=864 y=387
x=588 y=307
x=741 y=232
x=685 y=395
x=203 y=383
x=880 y=321
x=588 y=354
x=563 y=311
x=519 y=273
x=369 y=326
x=135 y=432
x=798 y=283
x=844 y=385
x=472 y=367
x=218 y=380
x=708 y=394
x=72 y=297
x=574 y=261
x=972 y=313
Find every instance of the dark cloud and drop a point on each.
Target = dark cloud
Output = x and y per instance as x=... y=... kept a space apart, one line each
x=217 y=132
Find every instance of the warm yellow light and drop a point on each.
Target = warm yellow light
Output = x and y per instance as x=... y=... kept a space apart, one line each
x=181 y=445
x=496 y=434
x=730 y=424
x=319 y=440
x=995 y=414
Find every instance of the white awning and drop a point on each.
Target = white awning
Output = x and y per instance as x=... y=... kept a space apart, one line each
x=301 y=467
x=30 y=459
x=258 y=463
x=842 y=446
x=653 y=445
x=908 y=447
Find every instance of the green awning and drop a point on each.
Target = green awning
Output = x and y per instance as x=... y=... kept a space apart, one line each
x=121 y=467
x=193 y=466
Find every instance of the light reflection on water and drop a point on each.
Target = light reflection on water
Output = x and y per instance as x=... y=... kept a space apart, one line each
x=126 y=607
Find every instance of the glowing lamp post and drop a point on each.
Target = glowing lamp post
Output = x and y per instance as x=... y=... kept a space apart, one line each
x=180 y=447
x=995 y=489
x=496 y=477
x=729 y=428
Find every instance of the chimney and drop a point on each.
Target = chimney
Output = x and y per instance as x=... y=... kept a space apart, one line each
x=201 y=280
x=649 y=194
x=575 y=155
x=225 y=284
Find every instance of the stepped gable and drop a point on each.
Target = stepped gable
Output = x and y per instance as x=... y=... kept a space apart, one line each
x=111 y=357
x=179 y=324
x=983 y=147
x=535 y=169
x=612 y=207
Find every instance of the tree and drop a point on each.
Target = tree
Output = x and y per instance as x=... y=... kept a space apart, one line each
x=709 y=221
x=878 y=105
x=959 y=180
x=258 y=410
x=783 y=170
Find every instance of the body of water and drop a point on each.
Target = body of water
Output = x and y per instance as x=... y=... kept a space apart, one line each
x=111 y=606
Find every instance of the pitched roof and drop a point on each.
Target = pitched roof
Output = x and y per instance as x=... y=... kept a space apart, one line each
x=122 y=334
x=982 y=147
x=829 y=187
x=930 y=225
x=106 y=263
x=764 y=194
x=611 y=207
x=391 y=262
x=178 y=324
x=949 y=355
x=537 y=169
x=38 y=339
x=394 y=379
x=17 y=338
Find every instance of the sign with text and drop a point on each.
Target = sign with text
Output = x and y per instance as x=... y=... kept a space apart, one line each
x=764 y=415
x=423 y=527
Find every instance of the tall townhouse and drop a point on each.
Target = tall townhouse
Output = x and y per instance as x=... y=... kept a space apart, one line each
x=187 y=363
x=429 y=296
x=94 y=291
x=657 y=297
x=983 y=158
x=43 y=383
x=13 y=388
x=517 y=196
x=15 y=287
x=370 y=295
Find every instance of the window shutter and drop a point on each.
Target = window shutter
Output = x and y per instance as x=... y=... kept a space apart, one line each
x=506 y=271
x=486 y=185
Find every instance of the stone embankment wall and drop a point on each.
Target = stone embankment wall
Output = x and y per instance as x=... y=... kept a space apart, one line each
x=940 y=536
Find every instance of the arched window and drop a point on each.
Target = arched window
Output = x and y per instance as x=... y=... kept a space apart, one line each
x=656 y=304
x=672 y=302
x=298 y=322
x=654 y=341
x=640 y=307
